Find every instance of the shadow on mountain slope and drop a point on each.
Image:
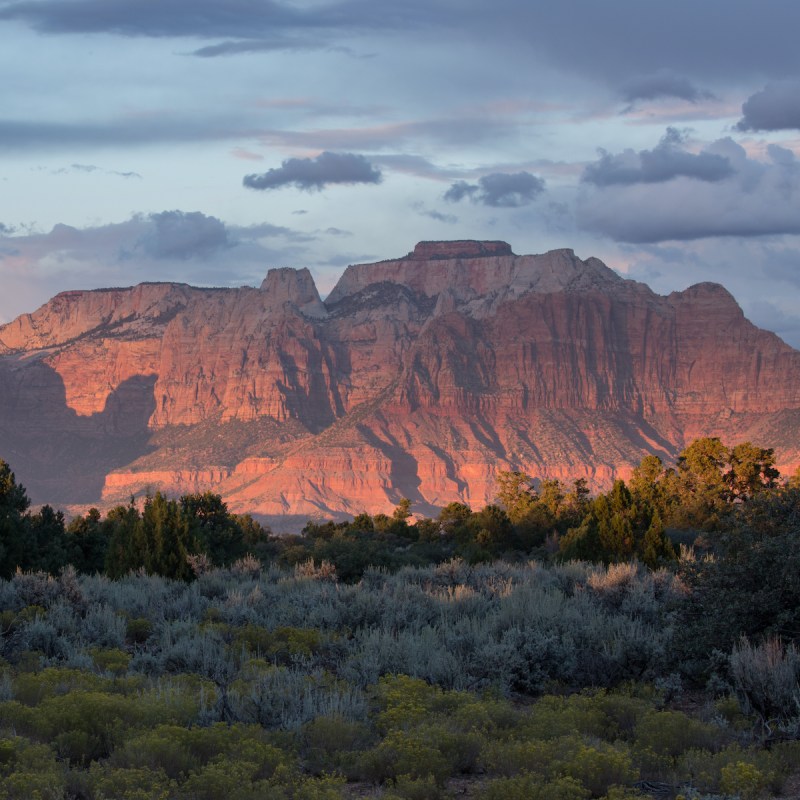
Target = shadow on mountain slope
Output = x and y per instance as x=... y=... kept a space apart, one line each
x=59 y=456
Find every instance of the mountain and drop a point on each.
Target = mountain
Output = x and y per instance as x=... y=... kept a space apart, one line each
x=418 y=377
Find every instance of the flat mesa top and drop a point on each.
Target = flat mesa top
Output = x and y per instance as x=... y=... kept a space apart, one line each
x=463 y=248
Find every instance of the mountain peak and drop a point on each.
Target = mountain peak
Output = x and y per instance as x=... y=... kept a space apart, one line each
x=295 y=286
x=428 y=374
x=478 y=274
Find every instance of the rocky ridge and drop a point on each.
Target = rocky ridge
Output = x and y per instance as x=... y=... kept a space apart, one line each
x=420 y=377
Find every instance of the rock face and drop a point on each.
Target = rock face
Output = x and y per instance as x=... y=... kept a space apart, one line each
x=419 y=377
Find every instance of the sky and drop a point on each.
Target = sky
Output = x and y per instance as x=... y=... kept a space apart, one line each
x=207 y=141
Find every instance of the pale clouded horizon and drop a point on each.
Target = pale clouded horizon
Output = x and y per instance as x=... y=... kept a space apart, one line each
x=143 y=142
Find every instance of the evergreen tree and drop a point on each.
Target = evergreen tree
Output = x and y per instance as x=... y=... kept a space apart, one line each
x=87 y=542
x=701 y=490
x=14 y=503
x=216 y=532
x=166 y=534
x=124 y=552
x=46 y=546
x=751 y=471
x=656 y=548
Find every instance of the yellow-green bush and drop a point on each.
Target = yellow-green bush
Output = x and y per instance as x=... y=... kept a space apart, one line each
x=404 y=753
x=403 y=701
x=513 y=757
x=332 y=744
x=407 y=788
x=599 y=767
x=708 y=771
x=671 y=733
x=745 y=780
x=532 y=787
x=29 y=771
x=552 y=716
x=111 y=660
x=225 y=779
x=622 y=712
x=113 y=783
x=31 y=688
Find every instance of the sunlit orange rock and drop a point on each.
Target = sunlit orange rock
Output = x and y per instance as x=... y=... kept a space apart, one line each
x=418 y=377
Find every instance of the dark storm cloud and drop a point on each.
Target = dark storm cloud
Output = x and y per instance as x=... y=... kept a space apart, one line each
x=616 y=39
x=759 y=198
x=181 y=234
x=663 y=83
x=246 y=20
x=239 y=18
x=667 y=160
x=459 y=190
x=774 y=108
x=167 y=235
x=313 y=174
x=702 y=42
x=498 y=190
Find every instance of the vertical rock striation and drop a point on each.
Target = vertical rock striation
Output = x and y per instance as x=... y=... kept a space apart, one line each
x=420 y=377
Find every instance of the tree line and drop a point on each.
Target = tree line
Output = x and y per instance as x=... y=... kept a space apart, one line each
x=646 y=518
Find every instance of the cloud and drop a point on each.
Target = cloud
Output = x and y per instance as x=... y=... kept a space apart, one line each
x=184 y=235
x=247 y=46
x=758 y=198
x=312 y=174
x=664 y=162
x=769 y=315
x=246 y=155
x=460 y=129
x=135 y=131
x=157 y=19
x=459 y=190
x=419 y=207
x=90 y=168
x=415 y=165
x=179 y=246
x=775 y=108
x=164 y=127
x=636 y=38
x=663 y=83
x=762 y=274
x=639 y=38
x=234 y=19
x=498 y=190
x=450 y=219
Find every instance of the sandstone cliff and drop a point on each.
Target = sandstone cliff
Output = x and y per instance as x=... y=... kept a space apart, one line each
x=420 y=377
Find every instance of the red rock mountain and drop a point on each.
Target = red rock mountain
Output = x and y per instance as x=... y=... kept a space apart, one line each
x=419 y=377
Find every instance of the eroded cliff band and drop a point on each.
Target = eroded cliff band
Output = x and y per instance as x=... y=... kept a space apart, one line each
x=420 y=376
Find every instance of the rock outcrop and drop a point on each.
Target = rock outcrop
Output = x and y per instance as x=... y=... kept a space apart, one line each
x=419 y=377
